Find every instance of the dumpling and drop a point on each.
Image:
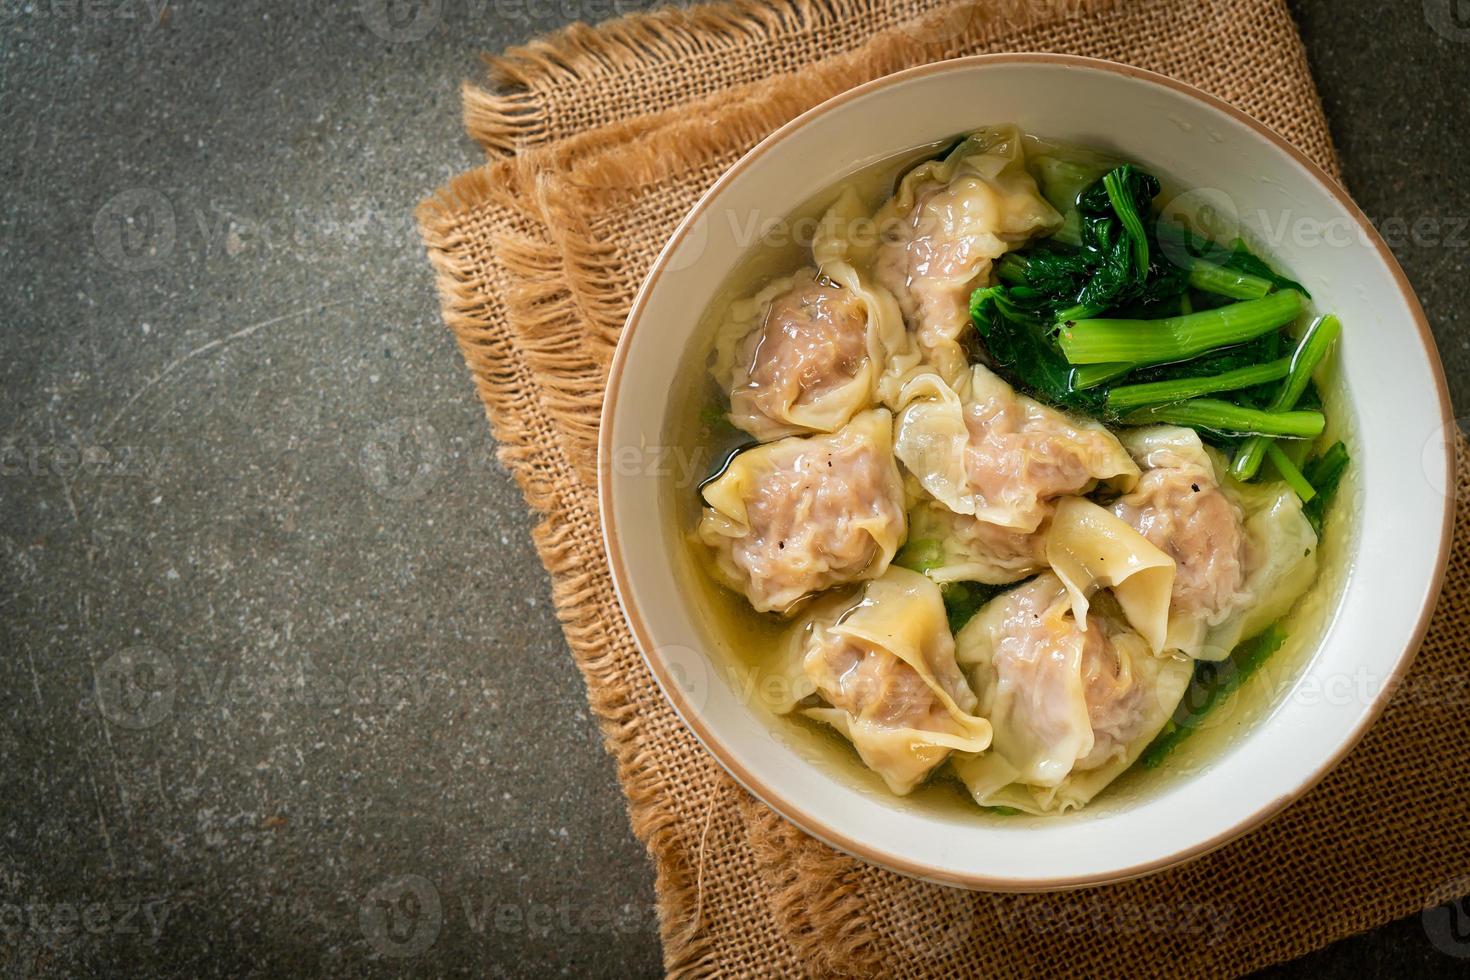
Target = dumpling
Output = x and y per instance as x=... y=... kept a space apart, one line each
x=1180 y=506
x=985 y=450
x=1241 y=552
x=792 y=518
x=1071 y=709
x=884 y=668
x=796 y=358
x=811 y=350
x=950 y=547
x=948 y=222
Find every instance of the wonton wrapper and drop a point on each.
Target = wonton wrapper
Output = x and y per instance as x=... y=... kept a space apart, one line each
x=961 y=548
x=792 y=518
x=1244 y=553
x=1281 y=564
x=986 y=450
x=944 y=228
x=884 y=666
x=1089 y=549
x=846 y=234
x=1071 y=710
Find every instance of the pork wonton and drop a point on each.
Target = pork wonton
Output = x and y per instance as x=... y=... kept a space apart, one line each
x=949 y=221
x=1071 y=709
x=796 y=358
x=950 y=547
x=1235 y=568
x=790 y=518
x=883 y=667
x=984 y=449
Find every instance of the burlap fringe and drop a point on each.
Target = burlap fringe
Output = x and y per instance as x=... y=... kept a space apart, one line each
x=510 y=116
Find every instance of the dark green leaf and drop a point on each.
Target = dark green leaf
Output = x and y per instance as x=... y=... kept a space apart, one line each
x=1325 y=473
x=962 y=600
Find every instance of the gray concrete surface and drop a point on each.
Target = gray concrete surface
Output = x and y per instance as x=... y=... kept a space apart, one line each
x=243 y=470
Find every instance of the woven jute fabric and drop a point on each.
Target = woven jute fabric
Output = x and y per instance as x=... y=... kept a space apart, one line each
x=600 y=139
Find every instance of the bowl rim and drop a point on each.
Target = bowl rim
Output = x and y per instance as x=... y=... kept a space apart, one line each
x=793 y=811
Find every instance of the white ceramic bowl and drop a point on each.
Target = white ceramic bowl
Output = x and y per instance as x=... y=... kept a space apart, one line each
x=1402 y=447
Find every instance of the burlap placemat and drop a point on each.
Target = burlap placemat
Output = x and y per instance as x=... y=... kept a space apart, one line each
x=615 y=132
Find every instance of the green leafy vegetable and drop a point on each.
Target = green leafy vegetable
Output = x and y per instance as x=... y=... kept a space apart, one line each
x=1311 y=350
x=1115 y=264
x=1227 y=282
x=1186 y=248
x=1262 y=350
x=1325 y=474
x=1218 y=416
x=1124 y=265
x=921 y=555
x=1020 y=347
x=1092 y=375
x=1289 y=472
x=1176 y=338
x=1127 y=397
x=962 y=600
x=1173 y=315
x=1242 y=259
x=1131 y=194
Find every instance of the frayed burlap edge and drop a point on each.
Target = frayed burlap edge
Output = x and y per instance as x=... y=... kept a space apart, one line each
x=511 y=115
